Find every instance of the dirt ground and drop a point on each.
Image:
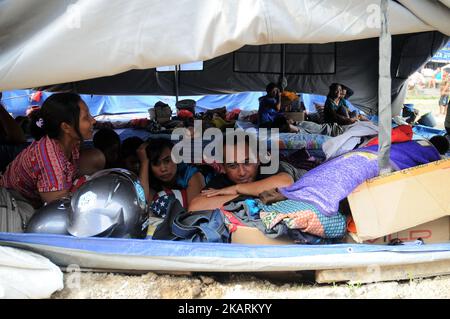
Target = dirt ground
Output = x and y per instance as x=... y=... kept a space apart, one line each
x=153 y=286
x=227 y=286
x=427 y=101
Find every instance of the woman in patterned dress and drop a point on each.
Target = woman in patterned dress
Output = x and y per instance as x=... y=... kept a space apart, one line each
x=46 y=169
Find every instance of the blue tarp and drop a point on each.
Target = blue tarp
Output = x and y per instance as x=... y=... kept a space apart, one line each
x=310 y=99
x=427 y=132
x=123 y=255
x=18 y=101
x=146 y=247
x=443 y=55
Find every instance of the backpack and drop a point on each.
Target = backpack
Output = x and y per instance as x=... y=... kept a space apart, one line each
x=15 y=211
x=201 y=226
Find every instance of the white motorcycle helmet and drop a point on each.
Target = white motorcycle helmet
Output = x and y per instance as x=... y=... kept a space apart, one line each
x=110 y=204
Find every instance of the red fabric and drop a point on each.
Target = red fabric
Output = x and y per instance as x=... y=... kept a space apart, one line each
x=351 y=226
x=233 y=221
x=36 y=97
x=402 y=133
x=78 y=182
x=185 y=114
x=139 y=123
x=42 y=167
x=233 y=115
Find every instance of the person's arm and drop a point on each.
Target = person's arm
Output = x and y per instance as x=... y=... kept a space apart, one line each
x=278 y=99
x=195 y=186
x=13 y=132
x=343 y=110
x=341 y=119
x=143 y=172
x=293 y=129
x=275 y=181
x=350 y=92
x=253 y=188
x=49 y=197
x=201 y=202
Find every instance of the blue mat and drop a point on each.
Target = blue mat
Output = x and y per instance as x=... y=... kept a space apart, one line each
x=137 y=247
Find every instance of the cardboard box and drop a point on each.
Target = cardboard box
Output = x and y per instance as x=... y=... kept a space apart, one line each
x=253 y=236
x=408 y=204
x=392 y=203
x=295 y=116
x=437 y=231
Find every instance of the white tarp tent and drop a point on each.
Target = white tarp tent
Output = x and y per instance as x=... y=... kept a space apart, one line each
x=44 y=42
x=52 y=42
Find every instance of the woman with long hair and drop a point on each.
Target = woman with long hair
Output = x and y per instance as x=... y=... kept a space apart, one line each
x=46 y=169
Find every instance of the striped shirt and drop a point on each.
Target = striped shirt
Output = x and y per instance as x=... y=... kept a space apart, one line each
x=41 y=167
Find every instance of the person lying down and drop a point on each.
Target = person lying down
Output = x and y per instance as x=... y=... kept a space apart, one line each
x=241 y=177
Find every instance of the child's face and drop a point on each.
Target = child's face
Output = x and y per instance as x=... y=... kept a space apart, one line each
x=132 y=164
x=164 y=169
x=274 y=93
x=112 y=153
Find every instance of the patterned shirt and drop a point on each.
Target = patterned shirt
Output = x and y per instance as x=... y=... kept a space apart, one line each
x=42 y=167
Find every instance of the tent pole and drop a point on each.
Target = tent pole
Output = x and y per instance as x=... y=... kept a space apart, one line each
x=283 y=81
x=384 y=93
x=176 y=74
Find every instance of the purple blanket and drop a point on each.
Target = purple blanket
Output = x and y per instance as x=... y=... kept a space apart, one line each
x=408 y=154
x=326 y=185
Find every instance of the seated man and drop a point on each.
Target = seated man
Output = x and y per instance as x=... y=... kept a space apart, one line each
x=242 y=177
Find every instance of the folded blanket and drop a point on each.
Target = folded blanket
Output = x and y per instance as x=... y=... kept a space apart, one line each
x=327 y=184
x=330 y=129
x=296 y=141
x=349 y=140
x=402 y=133
x=409 y=154
x=304 y=217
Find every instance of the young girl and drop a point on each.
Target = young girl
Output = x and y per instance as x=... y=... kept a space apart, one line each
x=46 y=169
x=159 y=174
